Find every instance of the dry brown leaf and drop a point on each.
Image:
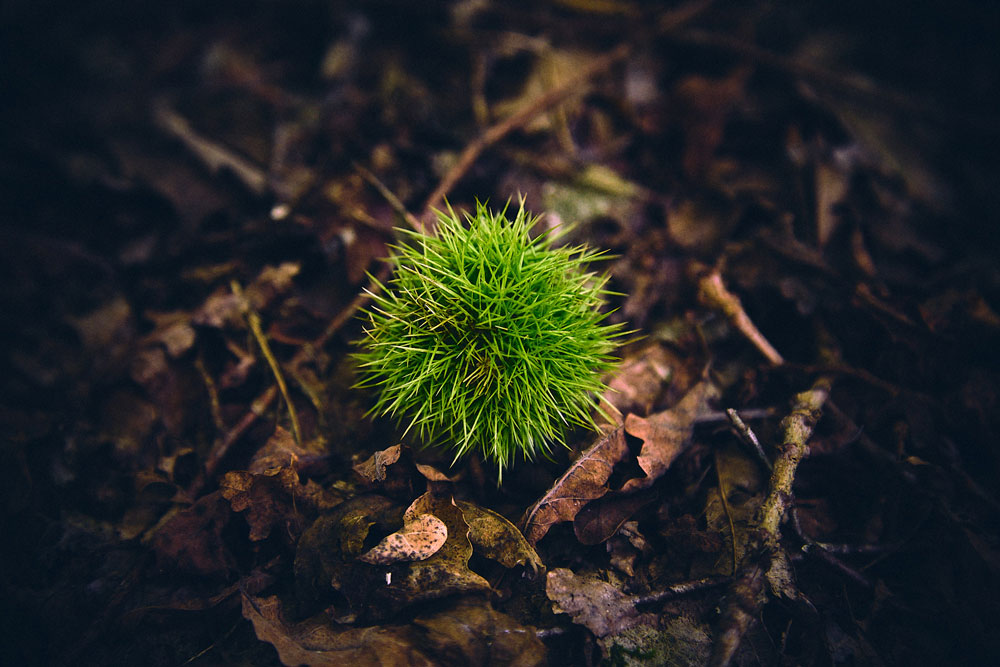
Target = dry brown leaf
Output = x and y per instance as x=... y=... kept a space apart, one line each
x=639 y=379
x=419 y=538
x=315 y=642
x=280 y=451
x=392 y=471
x=706 y=105
x=593 y=603
x=271 y=493
x=473 y=633
x=224 y=309
x=602 y=518
x=469 y=632
x=327 y=557
x=266 y=498
x=498 y=539
x=372 y=469
x=432 y=474
x=191 y=540
x=665 y=434
x=585 y=480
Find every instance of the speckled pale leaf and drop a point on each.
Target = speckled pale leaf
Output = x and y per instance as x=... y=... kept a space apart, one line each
x=419 y=539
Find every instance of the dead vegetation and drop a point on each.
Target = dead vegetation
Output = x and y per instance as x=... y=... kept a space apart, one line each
x=801 y=467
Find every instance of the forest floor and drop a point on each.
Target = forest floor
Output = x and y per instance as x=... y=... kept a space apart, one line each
x=799 y=204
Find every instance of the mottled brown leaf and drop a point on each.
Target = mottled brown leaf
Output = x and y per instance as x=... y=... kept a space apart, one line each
x=665 y=434
x=419 y=538
x=447 y=571
x=593 y=603
x=585 y=480
x=327 y=557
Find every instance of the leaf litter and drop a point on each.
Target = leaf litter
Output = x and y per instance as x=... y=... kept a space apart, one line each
x=788 y=210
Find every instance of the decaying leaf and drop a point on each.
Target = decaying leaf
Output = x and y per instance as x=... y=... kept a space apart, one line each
x=266 y=498
x=677 y=642
x=372 y=469
x=280 y=451
x=315 y=642
x=419 y=538
x=602 y=518
x=585 y=480
x=191 y=540
x=447 y=571
x=666 y=433
x=639 y=380
x=744 y=482
x=707 y=104
x=498 y=539
x=476 y=634
x=392 y=471
x=327 y=558
x=271 y=493
x=224 y=309
x=469 y=632
x=593 y=603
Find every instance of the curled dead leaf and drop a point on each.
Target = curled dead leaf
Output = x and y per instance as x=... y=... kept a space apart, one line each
x=372 y=469
x=498 y=539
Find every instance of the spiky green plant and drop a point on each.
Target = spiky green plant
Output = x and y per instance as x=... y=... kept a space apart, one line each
x=488 y=338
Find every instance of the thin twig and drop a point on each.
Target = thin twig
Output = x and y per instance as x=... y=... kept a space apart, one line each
x=713 y=292
x=746 y=593
x=214 y=156
x=726 y=509
x=253 y=319
x=518 y=120
x=747 y=435
x=390 y=197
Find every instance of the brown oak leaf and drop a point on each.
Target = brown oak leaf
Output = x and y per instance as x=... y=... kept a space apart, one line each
x=666 y=434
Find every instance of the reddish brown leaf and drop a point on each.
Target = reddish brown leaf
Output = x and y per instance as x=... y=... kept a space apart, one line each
x=271 y=493
x=602 y=518
x=665 y=434
x=640 y=378
x=585 y=480
x=264 y=497
x=191 y=540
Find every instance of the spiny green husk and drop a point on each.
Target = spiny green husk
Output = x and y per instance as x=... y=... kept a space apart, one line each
x=488 y=339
